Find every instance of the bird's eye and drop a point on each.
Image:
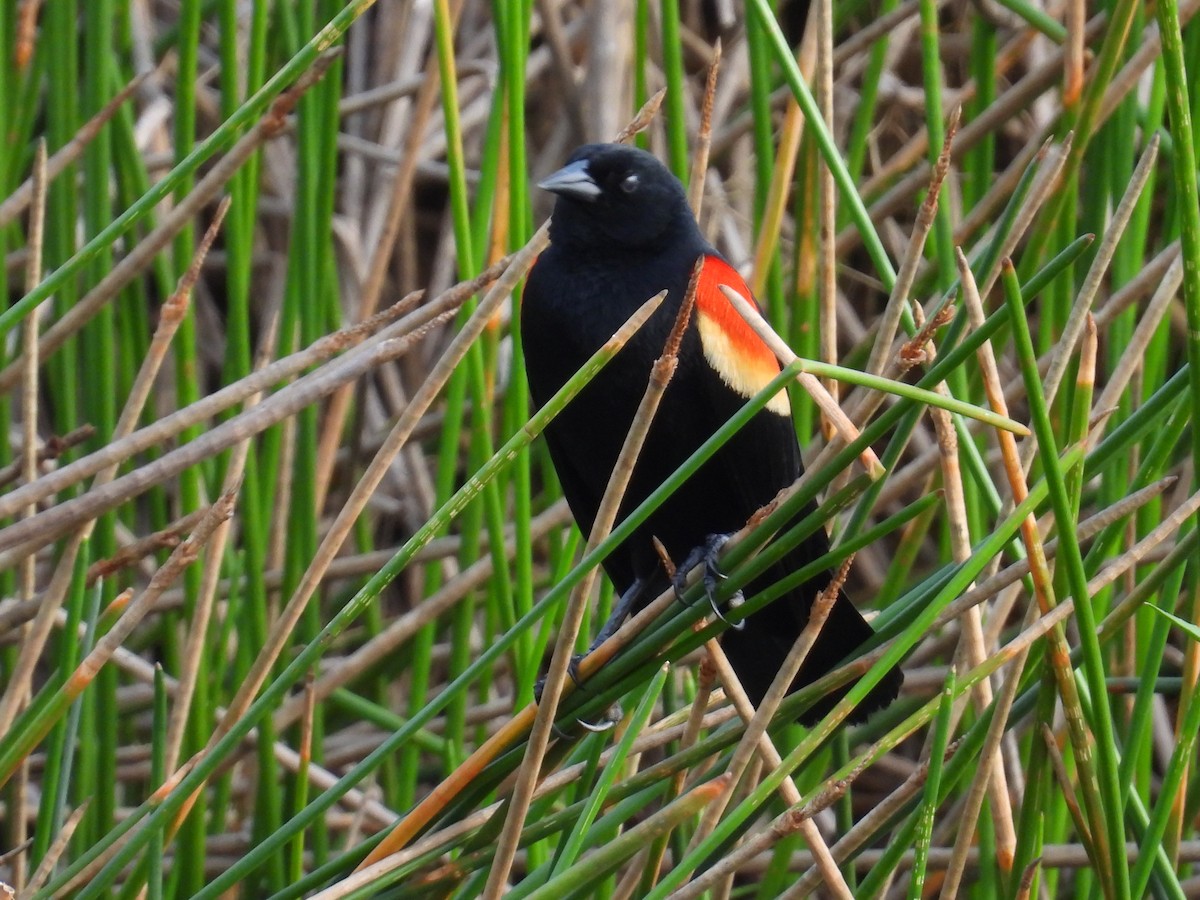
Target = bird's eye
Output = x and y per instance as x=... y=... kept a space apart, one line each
x=629 y=183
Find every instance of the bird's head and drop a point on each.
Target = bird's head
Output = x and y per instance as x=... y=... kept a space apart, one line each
x=617 y=196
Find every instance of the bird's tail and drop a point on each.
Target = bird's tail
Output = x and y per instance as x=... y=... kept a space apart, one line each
x=758 y=651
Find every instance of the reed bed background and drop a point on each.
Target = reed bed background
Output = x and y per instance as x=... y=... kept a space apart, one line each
x=282 y=558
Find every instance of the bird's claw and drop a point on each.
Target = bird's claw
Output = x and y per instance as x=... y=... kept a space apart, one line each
x=612 y=716
x=707 y=554
x=620 y=613
x=605 y=724
x=735 y=601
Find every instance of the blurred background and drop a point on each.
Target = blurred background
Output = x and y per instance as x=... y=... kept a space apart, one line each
x=254 y=607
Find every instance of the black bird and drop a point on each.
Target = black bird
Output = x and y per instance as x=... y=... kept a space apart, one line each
x=622 y=231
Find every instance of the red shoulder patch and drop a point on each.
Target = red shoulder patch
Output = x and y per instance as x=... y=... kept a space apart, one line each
x=730 y=345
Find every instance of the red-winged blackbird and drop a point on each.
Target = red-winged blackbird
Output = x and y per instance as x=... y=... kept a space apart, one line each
x=622 y=231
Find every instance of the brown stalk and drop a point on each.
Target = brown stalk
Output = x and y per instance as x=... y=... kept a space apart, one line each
x=284 y=404
x=202 y=611
x=26 y=36
x=180 y=215
x=706 y=677
x=642 y=877
x=755 y=738
x=606 y=516
x=1047 y=179
x=1190 y=671
x=756 y=727
x=182 y=557
x=641 y=121
x=984 y=213
x=1148 y=277
x=1056 y=856
x=27 y=577
x=1114 y=568
x=403 y=628
x=19 y=200
x=828 y=406
x=1075 y=16
x=132 y=553
x=889 y=322
x=29 y=345
x=722 y=888
x=377 y=267
x=920 y=349
x=512 y=731
x=35 y=641
x=1076 y=320
x=52 y=448
x=1134 y=352
x=306 y=726
x=868 y=825
x=1064 y=783
x=704 y=138
x=993 y=782
x=972 y=648
x=786 y=154
x=277 y=544
x=1059 y=651
x=61 y=841
x=786 y=824
x=772 y=759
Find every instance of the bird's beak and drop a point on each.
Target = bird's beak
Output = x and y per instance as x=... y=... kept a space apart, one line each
x=572 y=180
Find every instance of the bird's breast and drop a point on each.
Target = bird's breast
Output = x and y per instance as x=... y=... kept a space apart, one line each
x=571 y=308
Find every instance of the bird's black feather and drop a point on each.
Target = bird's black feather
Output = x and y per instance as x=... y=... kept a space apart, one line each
x=611 y=250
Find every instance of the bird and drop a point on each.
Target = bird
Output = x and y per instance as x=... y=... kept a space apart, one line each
x=621 y=231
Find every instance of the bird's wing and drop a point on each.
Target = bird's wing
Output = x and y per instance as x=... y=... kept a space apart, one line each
x=744 y=365
x=761 y=459
x=738 y=355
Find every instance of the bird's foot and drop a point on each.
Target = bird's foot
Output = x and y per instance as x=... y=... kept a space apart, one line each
x=706 y=554
x=619 y=614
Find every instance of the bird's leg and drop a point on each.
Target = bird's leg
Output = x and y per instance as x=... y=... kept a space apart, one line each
x=619 y=614
x=707 y=554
